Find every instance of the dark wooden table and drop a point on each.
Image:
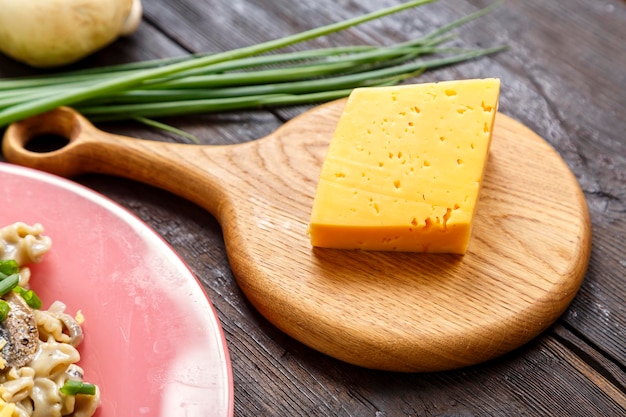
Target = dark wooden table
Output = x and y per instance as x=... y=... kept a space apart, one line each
x=564 y=77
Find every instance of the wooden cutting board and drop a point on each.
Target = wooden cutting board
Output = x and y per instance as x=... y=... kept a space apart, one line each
x=410 y=312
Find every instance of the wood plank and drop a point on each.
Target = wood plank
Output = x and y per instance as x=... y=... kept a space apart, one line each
x=572 y=95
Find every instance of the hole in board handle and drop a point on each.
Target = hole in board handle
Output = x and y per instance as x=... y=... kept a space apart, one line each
x=46 y=142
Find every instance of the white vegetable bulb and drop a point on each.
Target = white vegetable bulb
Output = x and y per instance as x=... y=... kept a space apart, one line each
x=52 y=33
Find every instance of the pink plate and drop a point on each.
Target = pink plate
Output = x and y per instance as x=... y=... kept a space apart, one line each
x=153 y=342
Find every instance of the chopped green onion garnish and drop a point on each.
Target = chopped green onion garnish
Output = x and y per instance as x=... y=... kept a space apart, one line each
x=4 y=310
x=9 y=267
x=72 y=387
x=29 y=296
x=8 y=283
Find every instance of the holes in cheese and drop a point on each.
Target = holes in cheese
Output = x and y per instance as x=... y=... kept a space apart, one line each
x=411 y=160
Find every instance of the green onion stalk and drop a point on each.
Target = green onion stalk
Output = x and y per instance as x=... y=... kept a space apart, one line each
x=8 y=283
x=9 y=278
x=29 y=296
x=73 y=387
x=8 y=267
x=251 y=77
x=5 y=309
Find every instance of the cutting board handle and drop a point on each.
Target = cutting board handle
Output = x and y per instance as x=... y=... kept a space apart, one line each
x=191 y=171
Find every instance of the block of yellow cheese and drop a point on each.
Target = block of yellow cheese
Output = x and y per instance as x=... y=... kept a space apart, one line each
x=404 y=168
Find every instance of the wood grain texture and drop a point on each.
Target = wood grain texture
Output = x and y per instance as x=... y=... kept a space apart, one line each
x=391 y=311
x=563 y=77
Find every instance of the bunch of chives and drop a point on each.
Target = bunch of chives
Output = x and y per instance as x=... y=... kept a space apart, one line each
x=244 y=78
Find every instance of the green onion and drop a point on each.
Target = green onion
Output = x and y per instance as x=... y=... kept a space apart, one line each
x=245 y=78
x=341 y=87
x=29 y=296
x=167 y=128
x=72 y=387
x=8 y=267
x=4 y=310
x=8 y=283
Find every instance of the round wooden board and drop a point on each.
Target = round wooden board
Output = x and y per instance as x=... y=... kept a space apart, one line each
x=413 y=312
x=410 y=312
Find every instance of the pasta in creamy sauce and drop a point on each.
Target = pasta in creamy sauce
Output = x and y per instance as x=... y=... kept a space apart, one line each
x=33 y=388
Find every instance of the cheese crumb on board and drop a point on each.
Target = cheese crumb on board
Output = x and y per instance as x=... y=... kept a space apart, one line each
x=404 y=168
